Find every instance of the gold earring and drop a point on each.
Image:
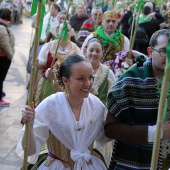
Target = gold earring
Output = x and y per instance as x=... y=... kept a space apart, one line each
x=66 y=91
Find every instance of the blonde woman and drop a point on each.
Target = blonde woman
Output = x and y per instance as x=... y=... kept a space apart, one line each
x=103 y=80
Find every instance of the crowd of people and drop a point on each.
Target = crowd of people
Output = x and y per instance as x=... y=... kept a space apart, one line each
x=96 y=100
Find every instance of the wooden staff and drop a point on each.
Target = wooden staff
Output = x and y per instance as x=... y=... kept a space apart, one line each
x=133 y=33
x=31 y=89
x=156 y=146
x=48 y=24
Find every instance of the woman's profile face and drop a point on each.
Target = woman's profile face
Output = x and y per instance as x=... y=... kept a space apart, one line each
x=81 y=80
x=94 y=53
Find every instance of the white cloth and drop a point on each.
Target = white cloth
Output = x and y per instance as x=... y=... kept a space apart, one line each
x=54 y=113
x=47 y=19
x=151 y=133
x=55 y=34
x=126 y=43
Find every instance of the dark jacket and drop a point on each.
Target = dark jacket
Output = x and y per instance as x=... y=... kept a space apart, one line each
x=124 y=24
x=76 y=22
x=150 y=28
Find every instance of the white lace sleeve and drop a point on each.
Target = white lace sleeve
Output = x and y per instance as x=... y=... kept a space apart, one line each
x=42 y=57
x=126 y=44
x=41 y=135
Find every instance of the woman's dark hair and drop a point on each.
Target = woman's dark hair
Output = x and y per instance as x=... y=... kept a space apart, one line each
x=153 y=41
x=94 y=39
x=66 y=67
x=5 y=14
x=57 y=7
x=146 y=10
x=63 y=13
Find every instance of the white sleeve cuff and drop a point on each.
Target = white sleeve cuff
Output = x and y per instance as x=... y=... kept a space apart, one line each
x=151 y=133
x=47 y=73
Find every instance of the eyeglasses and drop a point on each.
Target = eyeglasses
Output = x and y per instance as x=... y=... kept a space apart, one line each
x=161 y=53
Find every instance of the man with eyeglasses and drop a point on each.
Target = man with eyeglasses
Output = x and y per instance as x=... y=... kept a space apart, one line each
x=132 y=104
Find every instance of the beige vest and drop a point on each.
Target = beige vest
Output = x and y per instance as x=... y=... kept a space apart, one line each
x=62 y=153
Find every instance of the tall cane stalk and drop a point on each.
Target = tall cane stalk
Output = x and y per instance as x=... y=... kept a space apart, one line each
x=32 y=82
x=164 y=90
x=133 y=33
x=49 y=19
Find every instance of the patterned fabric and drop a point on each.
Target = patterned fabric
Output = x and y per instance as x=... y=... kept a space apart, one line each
x=166 y=163
x=103 y=80
x=133 y=99
x=86 y=29
x=110 y=49
x=118 y=64
x=103 y=89
x=165 y=148
x=88 y=25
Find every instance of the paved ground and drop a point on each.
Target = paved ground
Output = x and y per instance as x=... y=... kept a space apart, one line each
x=15 y=89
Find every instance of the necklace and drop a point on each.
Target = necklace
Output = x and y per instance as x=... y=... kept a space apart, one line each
x=75 y=108
x=63 y=48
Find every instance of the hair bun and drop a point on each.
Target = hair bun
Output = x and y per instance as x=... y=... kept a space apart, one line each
x=56 y=71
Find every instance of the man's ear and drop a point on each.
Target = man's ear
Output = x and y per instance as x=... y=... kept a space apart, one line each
x=149 y=50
